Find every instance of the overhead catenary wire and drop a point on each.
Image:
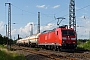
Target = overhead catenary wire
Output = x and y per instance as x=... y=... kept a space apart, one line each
x=76 y=11
x=47 y=15
x=83 y=7
x=23 y=10
x=34 y=13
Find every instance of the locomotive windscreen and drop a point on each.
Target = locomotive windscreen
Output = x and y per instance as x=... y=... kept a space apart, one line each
x=68 y=32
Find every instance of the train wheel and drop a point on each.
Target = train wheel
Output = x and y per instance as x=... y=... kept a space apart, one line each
x=55 y=48
x=50 y=47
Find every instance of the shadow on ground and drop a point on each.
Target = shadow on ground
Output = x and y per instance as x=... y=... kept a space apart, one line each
x=36 y=57
x=81 y=50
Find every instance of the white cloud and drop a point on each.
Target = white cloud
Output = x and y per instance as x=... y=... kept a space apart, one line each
x=40 y=6
x=49 y=26
x=83 y=31
x=45 y=7
x=14 y=31
x=25 y=31
x=56 y=6
x=1 y=26
x=22 y=31
x=84 y=27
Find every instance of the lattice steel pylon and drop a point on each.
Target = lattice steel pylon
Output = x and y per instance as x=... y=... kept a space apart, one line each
x=38 y=22
x=9 y=20
x=72 y=20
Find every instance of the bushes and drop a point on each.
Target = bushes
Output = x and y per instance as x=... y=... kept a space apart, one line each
x=4 y=40
x=85 y=45
x=9 y=55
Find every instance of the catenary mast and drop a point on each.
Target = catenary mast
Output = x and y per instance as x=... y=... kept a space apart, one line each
x=72 y=20
x=9 y=24
x=38 y=22
x=9 y=20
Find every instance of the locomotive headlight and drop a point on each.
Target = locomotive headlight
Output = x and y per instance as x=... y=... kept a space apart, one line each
x=64 y=38
x=74 y=42
x=63 y=41
x=73 y=38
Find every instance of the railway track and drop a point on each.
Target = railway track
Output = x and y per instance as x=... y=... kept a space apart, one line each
x=55 y=55
x=50 y=55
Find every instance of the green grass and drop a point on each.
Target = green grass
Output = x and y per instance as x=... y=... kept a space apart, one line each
x=10 y=55
x=2 y=46
x=36 y=49
x=85 y=45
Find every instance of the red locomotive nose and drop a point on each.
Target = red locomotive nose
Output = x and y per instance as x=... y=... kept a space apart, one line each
x=69 y=38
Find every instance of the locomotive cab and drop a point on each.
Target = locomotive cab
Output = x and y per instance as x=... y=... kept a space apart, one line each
x=69 y=39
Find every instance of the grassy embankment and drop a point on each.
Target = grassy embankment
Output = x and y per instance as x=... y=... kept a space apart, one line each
x=85 y=45
x=9 y=55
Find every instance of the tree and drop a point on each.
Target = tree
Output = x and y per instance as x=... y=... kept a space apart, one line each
x=1 y=39
x=4 y=40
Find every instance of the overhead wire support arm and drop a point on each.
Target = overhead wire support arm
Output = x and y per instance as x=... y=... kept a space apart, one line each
x=59 y=21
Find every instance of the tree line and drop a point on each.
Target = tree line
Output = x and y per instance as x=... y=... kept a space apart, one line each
x=5 y=40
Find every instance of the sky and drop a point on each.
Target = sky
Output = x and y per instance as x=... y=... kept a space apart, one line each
x=25 y=12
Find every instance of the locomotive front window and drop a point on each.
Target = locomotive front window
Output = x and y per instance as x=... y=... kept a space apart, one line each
x=68 y=32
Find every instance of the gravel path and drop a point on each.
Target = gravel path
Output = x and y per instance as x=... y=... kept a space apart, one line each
x=31 y=56
x=61 y=55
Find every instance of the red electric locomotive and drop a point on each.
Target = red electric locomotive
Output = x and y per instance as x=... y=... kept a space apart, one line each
x=58 y=38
